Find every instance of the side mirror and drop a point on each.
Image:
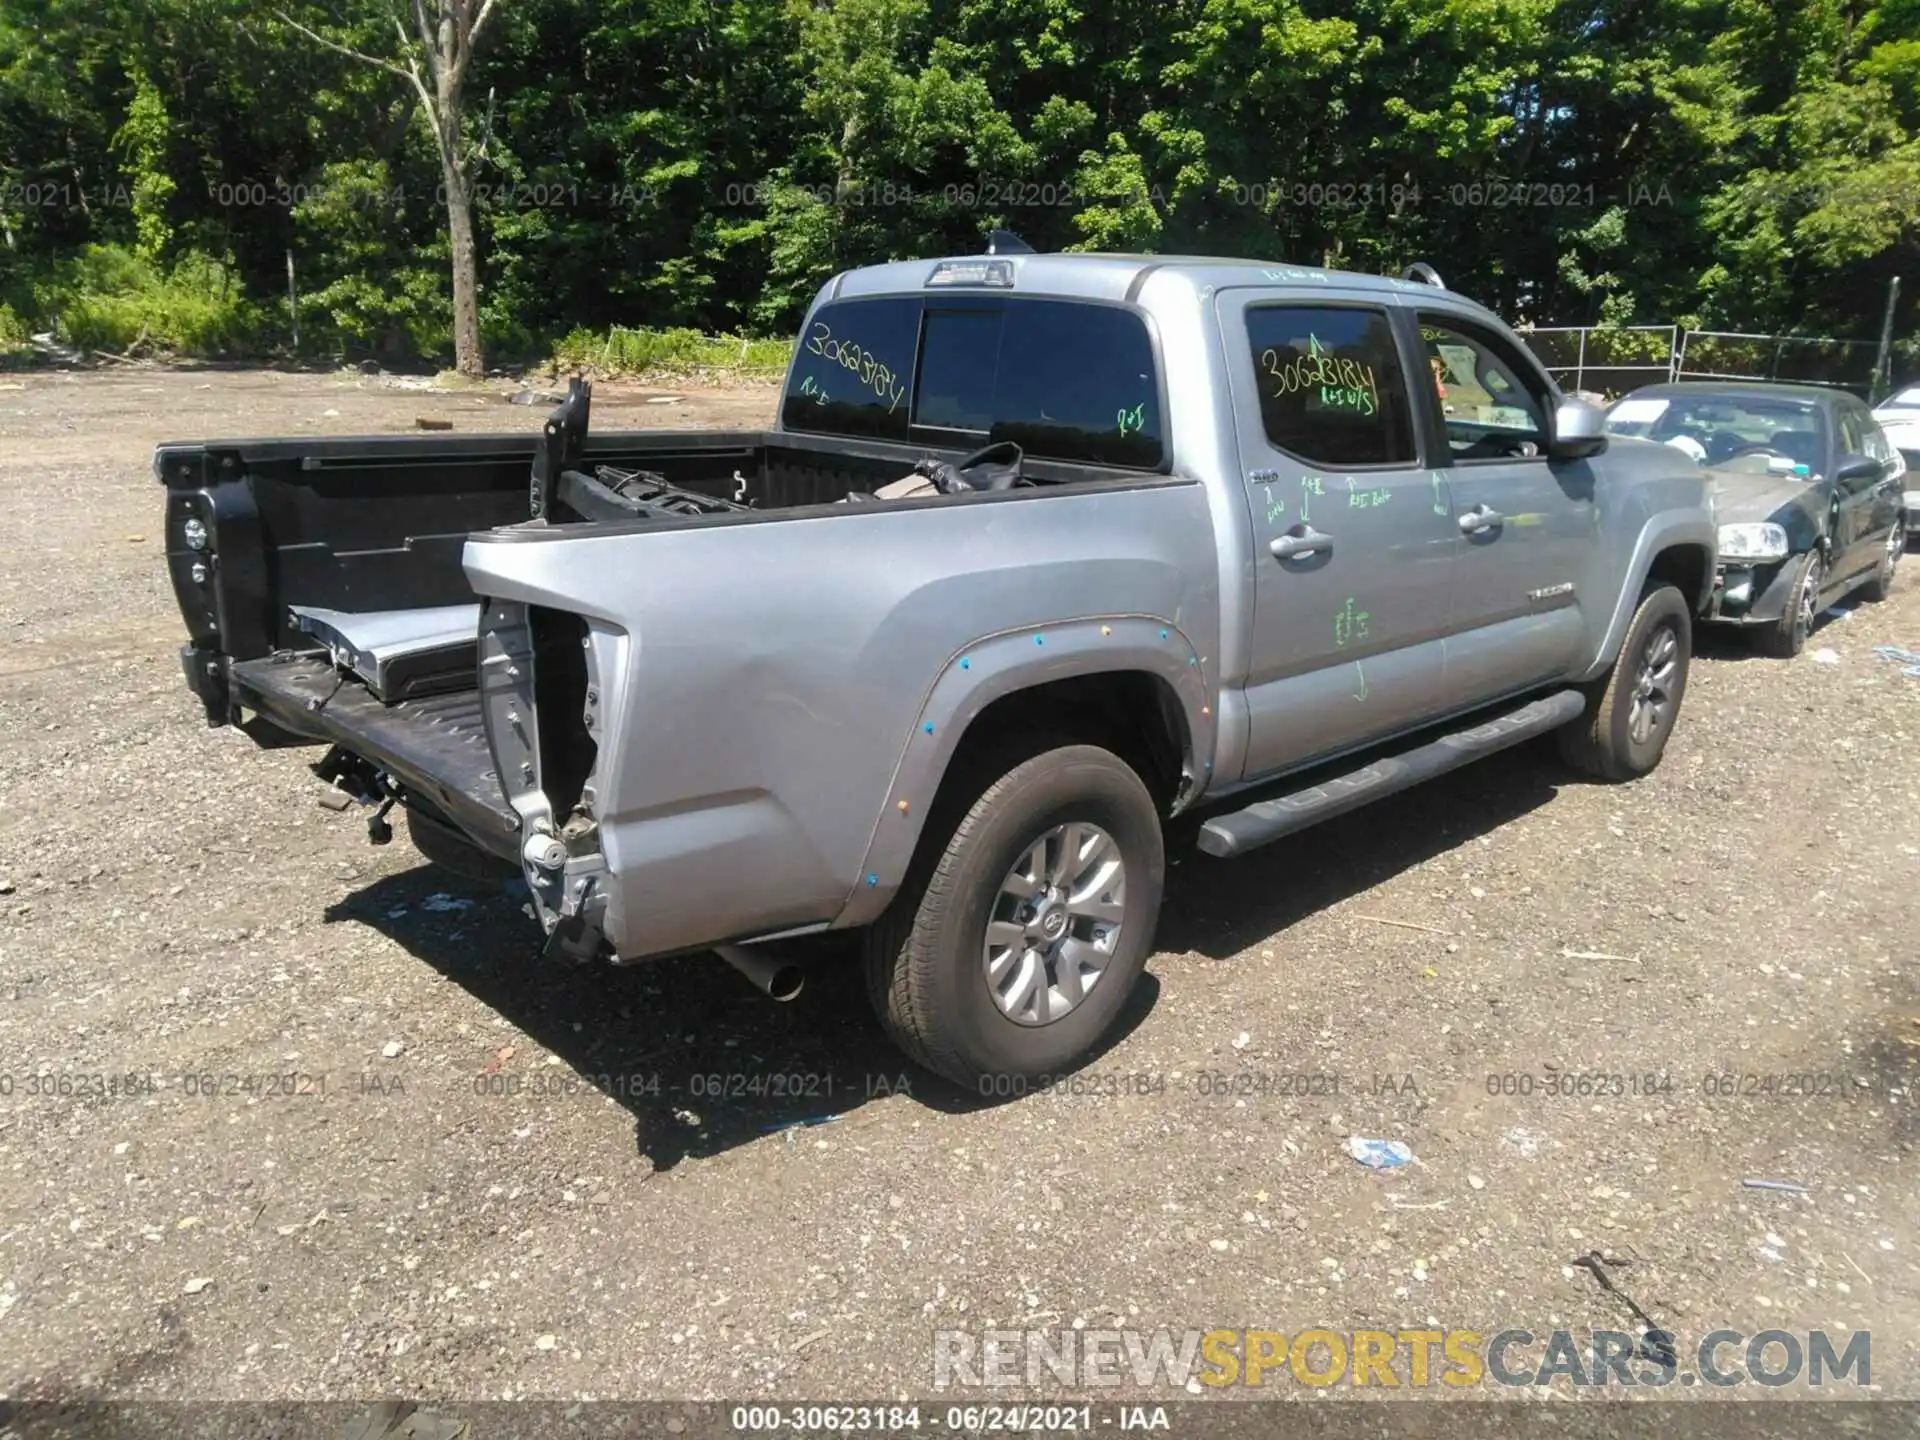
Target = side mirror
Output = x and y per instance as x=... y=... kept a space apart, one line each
x=1579 y=430
x=1858 y=470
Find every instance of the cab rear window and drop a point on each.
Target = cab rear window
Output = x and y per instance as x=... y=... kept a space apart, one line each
x=1065 y=380
x=853 y=370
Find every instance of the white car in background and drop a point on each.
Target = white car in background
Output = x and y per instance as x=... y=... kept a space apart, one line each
x=1899 y=417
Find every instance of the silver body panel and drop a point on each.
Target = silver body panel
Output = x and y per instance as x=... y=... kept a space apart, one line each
x=779 y=695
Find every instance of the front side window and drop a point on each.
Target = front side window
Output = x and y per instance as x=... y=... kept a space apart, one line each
x=853 y=369
x=1492 y=412
x=1871 y=441
x=1330 y=384
x=1852 y=441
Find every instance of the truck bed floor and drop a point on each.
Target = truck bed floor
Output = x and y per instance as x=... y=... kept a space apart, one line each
x=435 y=745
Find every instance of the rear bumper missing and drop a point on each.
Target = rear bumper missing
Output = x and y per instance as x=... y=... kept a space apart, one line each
x=539 y=695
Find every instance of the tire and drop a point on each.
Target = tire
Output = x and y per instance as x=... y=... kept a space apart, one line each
x=928 y=958
x=439 y=842
x=1618 y=738
x=1880 y=587
x=1787 y=636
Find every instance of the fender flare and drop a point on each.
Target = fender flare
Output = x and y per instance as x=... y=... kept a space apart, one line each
x=1660 y=533
x=992 y=668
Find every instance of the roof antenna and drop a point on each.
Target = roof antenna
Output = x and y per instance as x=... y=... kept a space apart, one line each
x=1005 y=242
x=1424 y=273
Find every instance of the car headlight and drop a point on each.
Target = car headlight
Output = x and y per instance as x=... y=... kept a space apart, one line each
x=1763 y=541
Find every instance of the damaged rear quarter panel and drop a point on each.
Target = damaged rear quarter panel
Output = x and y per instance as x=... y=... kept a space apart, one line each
x=778 y=666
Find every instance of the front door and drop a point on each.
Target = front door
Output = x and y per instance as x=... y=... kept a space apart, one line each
x=1529 y=525
x=1353 y=539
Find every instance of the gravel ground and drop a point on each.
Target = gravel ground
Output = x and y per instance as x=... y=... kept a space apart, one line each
x=496 y=1180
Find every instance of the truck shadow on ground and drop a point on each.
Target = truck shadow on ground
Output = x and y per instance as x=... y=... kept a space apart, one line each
x=1218 y=908
x=701 y=1059
x=705 y=1063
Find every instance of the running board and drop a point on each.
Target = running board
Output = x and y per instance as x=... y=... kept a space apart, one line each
x=1268 y=820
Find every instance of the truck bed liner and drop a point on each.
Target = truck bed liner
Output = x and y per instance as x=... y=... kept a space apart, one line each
x=435 y=745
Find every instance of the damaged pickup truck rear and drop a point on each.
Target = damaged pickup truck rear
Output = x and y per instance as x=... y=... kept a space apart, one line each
x=1269 y=541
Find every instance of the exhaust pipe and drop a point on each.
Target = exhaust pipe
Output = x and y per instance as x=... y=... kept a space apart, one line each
x=780 y=979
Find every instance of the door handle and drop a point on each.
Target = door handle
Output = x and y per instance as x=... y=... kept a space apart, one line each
x=1308 y=541
x=1480 y=519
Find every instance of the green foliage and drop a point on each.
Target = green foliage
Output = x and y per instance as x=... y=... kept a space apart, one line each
x=142 y=140
x=112 y=298
x=363 y=293
x=676 y=352
x=681 y=166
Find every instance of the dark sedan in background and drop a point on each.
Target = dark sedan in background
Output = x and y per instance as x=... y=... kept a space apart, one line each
x=1807 y=488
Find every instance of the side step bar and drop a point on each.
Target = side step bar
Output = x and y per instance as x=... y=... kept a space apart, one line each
x=1268 y=820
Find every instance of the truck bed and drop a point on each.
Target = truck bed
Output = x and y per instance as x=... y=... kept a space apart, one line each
x=299 y=528
x=379 y=523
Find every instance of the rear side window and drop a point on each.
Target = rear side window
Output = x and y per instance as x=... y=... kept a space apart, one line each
x=1064 y=380
x=853 y=370
x=1331 y=388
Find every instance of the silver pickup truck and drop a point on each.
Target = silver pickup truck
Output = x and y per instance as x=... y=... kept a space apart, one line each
x=1274 y=542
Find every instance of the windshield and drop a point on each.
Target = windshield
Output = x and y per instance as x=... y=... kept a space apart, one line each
x=1777 y=434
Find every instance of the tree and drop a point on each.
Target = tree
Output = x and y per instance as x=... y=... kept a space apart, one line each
x=442 y=46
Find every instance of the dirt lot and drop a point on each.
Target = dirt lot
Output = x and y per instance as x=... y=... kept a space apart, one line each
x=497 y=1180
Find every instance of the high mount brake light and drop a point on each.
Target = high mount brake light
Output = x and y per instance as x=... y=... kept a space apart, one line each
x=995 y=274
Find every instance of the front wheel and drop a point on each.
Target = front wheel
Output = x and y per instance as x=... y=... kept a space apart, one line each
x=1787 y=636
x=1013 y=953
x=1629 y=717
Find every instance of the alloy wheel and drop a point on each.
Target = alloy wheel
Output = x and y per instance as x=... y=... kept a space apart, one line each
x=1810 y=596
x=1055 y=923
x=1653 y=686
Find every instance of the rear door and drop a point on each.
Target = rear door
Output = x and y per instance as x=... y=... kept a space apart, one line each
x=1353 y=538
x=1868 y=506
x=1529 y=526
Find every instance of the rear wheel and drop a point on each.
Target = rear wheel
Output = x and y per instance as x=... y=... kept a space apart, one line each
x=1013 y=947
x=1787 y=636
x=1881 y=585
x=1630 y=715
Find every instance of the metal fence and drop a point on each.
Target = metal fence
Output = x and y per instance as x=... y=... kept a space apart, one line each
x=1615 y=359
x=1612 y=358
x=1806 y=359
